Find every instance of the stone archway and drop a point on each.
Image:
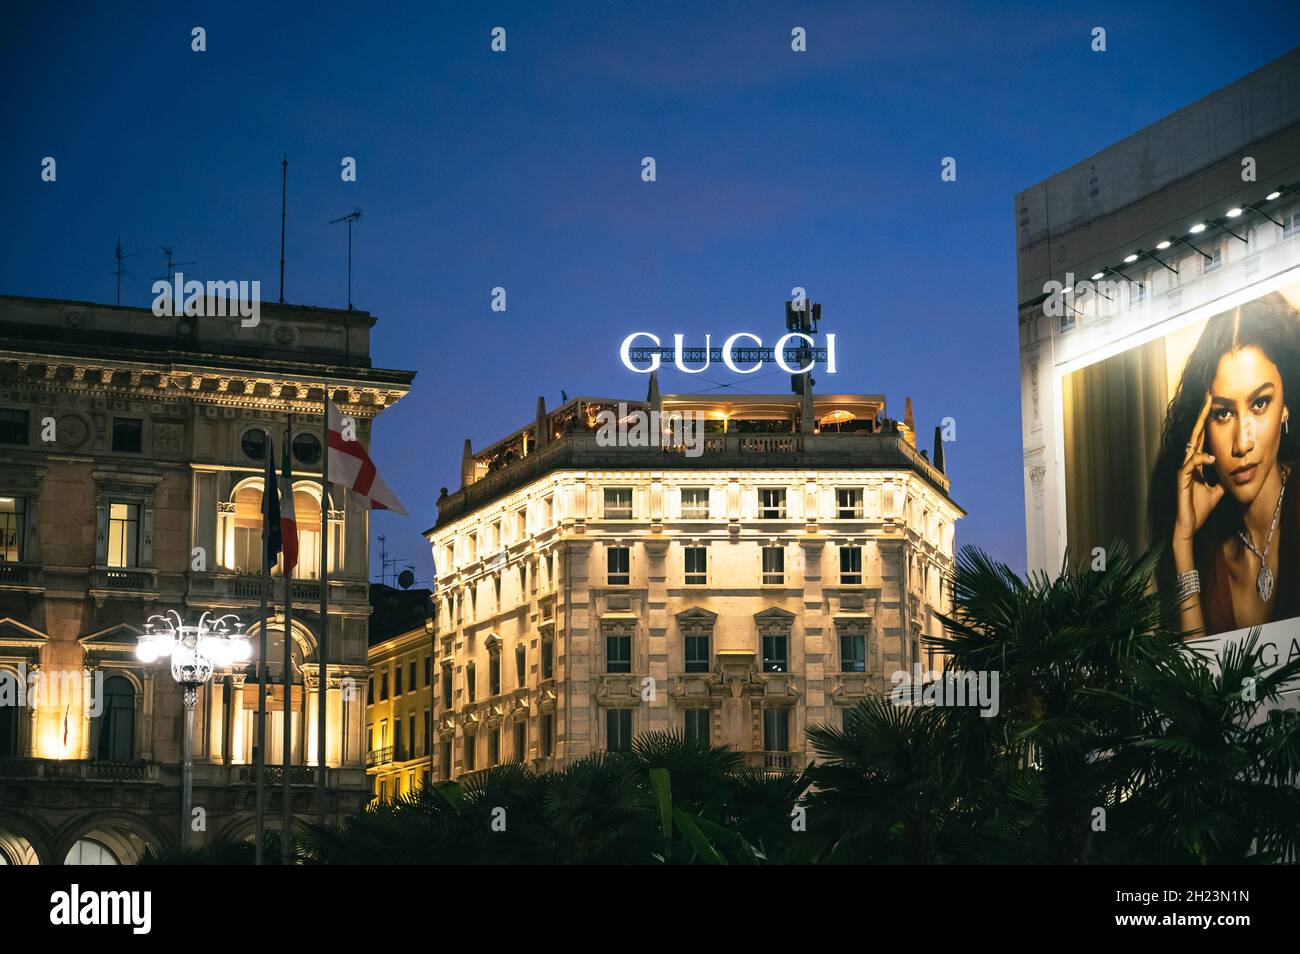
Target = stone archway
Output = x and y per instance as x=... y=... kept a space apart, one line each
x=125 y=837
x=22 y=842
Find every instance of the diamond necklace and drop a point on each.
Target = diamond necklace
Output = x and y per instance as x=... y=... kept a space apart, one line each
x=1264 y=581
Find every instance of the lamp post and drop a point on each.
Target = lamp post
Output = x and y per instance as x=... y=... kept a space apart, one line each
x=195 y=651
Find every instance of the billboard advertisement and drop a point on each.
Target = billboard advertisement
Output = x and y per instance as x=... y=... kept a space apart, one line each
x=1187 y=441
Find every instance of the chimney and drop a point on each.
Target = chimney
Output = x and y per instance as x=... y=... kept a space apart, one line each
x=938 y=448
x=652 y=398
x=467 y=465
x=543 y=429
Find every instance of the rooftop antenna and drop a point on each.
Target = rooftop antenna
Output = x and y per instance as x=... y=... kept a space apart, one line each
x=168 y=274
x=349 y=218
x=120 y=271
x=383 y=558
x=284 y=182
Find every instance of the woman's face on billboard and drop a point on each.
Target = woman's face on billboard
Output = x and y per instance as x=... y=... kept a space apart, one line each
x=1245 y=422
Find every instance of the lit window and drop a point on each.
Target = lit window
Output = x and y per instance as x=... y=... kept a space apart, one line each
x=695 y=503
x=771 y=503
x=12 y=524
x=848 y=503
x=123 y=534
x=618 y=503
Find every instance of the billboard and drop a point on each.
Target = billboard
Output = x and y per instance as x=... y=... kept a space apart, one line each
x=1187 y=441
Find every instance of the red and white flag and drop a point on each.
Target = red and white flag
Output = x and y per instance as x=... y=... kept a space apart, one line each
x=288 y=522
x=351 y=466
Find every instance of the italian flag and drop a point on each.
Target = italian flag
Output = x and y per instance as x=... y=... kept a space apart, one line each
x=288 y=523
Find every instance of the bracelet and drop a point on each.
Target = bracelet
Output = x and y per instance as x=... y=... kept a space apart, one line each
x=1189 y=585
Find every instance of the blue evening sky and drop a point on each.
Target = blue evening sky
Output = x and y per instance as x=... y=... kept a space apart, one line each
x=522 y=170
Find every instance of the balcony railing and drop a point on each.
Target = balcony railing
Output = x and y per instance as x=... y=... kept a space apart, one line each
x=20 y=574
x=124 y=579
x=379 y=756
x=94 y=770
x=874 y=450
x=775 y=761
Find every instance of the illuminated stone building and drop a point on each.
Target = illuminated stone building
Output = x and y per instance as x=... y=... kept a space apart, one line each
x=132 y=450
x=589 y=593
x=400 y=691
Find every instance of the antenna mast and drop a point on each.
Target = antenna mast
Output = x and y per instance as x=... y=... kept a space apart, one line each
x=284 y=184
x=120 y=271
x=349 y=218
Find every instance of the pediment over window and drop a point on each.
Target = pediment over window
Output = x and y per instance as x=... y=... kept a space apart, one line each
x=493 y=642
x=696 y=621
x=774 y=620
x=119 y=639
x=16 y=635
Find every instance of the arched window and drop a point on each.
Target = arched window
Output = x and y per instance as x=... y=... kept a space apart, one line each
x=117 y=721
x=87 y=852
x=243 y=532
x=9 y=696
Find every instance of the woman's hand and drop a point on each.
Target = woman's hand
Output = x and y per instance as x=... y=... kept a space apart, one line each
x=1196 y=498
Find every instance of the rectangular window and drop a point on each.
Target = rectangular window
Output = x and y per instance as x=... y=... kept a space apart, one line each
x=471 y=689
x=697 y=565
x=444 y=758
x=1137 y=291
x=494 y=675
x=126 y=434
x=697 y=653
x=850 y=565
x=773 y=565
x=427 y=747
x=411 y=676
x=696 y=727
x=428 y=671
x=398 y=753
x=370 y=691
x=521 y=741
x=383 y=686
x=618 y=730
x=771 y=503
x=12 y=524
x=14 y=426
x=848 y=503
x=410 y=734
x=548 y=658
x=446 y=687
x=470 y=741
x=1290 y=224
x=521 y=523
x=695 y=503
x=521 y=665
x=548 y=735
x=618 y=652
x=853 y=653
x=776 y=730
x=618 y=562
x=776 y=653
x=1214 y=262
x=494 y=746
x=618 y=503
x=397 y=680
x=548 y=512
x=123 y=534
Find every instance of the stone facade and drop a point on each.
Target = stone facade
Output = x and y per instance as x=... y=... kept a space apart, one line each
x=589 y=593
x=131 y=460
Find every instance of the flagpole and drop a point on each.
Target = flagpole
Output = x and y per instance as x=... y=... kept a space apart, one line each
x=263 y=585
x=322 y=653
x=286 y=822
